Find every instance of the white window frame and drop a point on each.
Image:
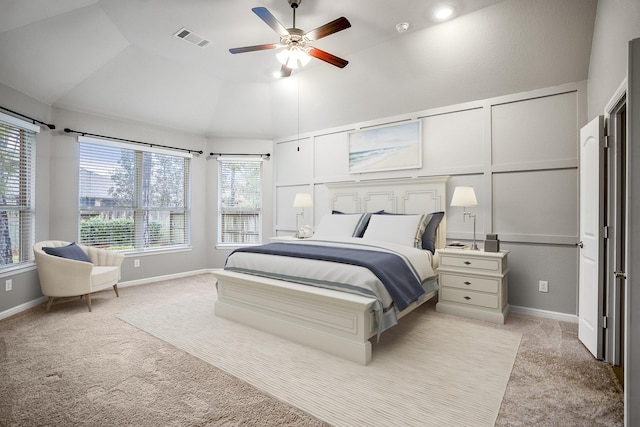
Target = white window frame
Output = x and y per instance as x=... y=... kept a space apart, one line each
x=26 y=225
x=259 y=211
x=137 y=208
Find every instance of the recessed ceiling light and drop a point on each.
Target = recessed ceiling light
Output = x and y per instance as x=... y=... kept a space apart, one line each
x=444 y=12
x=402 y=27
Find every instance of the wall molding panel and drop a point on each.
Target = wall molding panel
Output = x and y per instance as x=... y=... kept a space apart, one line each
x=519 y=152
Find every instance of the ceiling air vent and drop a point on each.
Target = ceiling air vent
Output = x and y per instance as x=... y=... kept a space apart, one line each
x=191 y=37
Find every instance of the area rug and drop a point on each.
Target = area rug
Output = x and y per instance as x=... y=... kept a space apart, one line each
x=429 y=370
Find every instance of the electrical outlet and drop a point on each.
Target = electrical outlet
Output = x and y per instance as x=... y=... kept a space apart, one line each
x=8 y=285
x=136 y=263
x=543 y=286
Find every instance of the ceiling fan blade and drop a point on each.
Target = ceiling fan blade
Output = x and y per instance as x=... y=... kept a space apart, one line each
x=254 y=48
x=327 y=57
x=334 y=26
x=284 y=71
x=270 y=20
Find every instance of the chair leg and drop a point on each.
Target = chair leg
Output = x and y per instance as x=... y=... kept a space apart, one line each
x=49 y=302
x=89 y=301
x=115 y=288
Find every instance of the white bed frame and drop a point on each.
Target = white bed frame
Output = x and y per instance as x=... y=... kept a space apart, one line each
x=335 y=322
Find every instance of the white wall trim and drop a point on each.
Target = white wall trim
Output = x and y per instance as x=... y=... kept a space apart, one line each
x=22 y=307
x=30 y=304
x=162 y=278
x=562 y=317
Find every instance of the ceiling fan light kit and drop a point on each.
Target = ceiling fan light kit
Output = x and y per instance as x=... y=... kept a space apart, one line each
x=296 y=43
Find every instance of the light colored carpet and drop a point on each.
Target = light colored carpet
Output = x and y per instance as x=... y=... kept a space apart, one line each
x=430 y=370
x=69 y=367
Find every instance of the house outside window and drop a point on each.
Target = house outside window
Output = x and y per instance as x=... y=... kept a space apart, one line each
x=239 y=201
x=17 y=178
x=133 y=199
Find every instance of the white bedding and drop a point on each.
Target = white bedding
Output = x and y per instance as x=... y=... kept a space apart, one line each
x=343 y=277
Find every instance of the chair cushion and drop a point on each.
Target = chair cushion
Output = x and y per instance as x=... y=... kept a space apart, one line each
x=103 y=277
x=71 y=251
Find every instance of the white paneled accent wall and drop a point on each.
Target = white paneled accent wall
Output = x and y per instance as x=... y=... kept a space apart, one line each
x=519 y=152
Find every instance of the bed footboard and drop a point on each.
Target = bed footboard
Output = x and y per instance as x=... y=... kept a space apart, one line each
x=335 y=322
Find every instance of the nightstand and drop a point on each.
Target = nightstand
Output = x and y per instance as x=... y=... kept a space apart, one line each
x=473 y=284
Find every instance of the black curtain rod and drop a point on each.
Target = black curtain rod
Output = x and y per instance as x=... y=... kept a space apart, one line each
x=267 y=155
x=50 y=126
x=67 y=130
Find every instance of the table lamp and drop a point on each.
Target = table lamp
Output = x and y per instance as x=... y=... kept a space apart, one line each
x=466 y=196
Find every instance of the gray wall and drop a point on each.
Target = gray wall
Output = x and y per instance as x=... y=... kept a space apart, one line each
x=617 y=22
x=57 y=197
x=520 y=153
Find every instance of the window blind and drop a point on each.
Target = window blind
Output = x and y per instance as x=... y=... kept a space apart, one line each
x=239 y=201
x=133 y=199
x=17 y=167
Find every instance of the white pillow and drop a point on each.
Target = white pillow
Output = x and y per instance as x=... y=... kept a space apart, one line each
x=402 y=229
x=337 y=226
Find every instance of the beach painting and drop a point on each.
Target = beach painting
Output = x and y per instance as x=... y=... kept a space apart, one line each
x=384 y=148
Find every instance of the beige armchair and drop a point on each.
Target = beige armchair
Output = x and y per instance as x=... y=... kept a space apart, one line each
x=63 y=277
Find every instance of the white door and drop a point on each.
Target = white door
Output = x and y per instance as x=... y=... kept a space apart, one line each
x=591 y=287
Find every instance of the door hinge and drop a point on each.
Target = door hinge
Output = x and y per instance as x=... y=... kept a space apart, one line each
x=605 y=142
x=604 y=322
x=605 y=232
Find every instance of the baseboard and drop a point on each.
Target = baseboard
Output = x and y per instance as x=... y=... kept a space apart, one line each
x=30 y=304
x=22 y=307
x=562 y=317
x=155 y=279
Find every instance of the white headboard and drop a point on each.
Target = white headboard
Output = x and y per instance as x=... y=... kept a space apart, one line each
x=410 y=196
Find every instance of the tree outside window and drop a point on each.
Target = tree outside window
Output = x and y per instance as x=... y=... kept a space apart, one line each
x=239 y=201
x=133 y=200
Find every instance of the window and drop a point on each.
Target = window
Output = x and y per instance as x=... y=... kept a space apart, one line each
x=239 y=201
x=133 y=199
x=17 y=168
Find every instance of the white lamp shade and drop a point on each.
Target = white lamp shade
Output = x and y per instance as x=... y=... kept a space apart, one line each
x=302 y=200
x=464 y=196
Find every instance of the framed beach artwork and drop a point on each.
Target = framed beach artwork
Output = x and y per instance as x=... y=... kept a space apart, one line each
x=384 y=148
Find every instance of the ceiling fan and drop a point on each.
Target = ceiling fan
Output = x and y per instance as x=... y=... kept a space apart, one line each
x=297 y=46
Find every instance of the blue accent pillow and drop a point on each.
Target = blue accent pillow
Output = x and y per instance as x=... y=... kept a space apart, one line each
x=429 y=235
x=71 y=251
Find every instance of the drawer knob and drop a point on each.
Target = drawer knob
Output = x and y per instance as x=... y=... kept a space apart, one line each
x=467 y=283
x=467 y=298
x=467 y=263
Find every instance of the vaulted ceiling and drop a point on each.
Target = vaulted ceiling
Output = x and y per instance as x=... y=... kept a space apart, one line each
x=120 y=58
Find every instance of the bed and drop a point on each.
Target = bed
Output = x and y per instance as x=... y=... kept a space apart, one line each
x=340 y=323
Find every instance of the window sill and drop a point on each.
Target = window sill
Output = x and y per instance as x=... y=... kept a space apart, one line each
x=235 y=245
x=18 y=269
x=151 y=252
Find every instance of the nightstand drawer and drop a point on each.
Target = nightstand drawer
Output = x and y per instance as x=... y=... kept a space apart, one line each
x=470 y=283
x=470 y=262
x=469 y=298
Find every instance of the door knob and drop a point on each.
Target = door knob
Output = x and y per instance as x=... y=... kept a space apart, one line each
x=580 y=244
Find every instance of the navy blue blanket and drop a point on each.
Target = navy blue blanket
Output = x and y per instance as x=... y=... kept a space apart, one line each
x=403 y=285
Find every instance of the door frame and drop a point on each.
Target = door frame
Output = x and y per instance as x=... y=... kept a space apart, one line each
x=615 y=218
x=632 y=294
